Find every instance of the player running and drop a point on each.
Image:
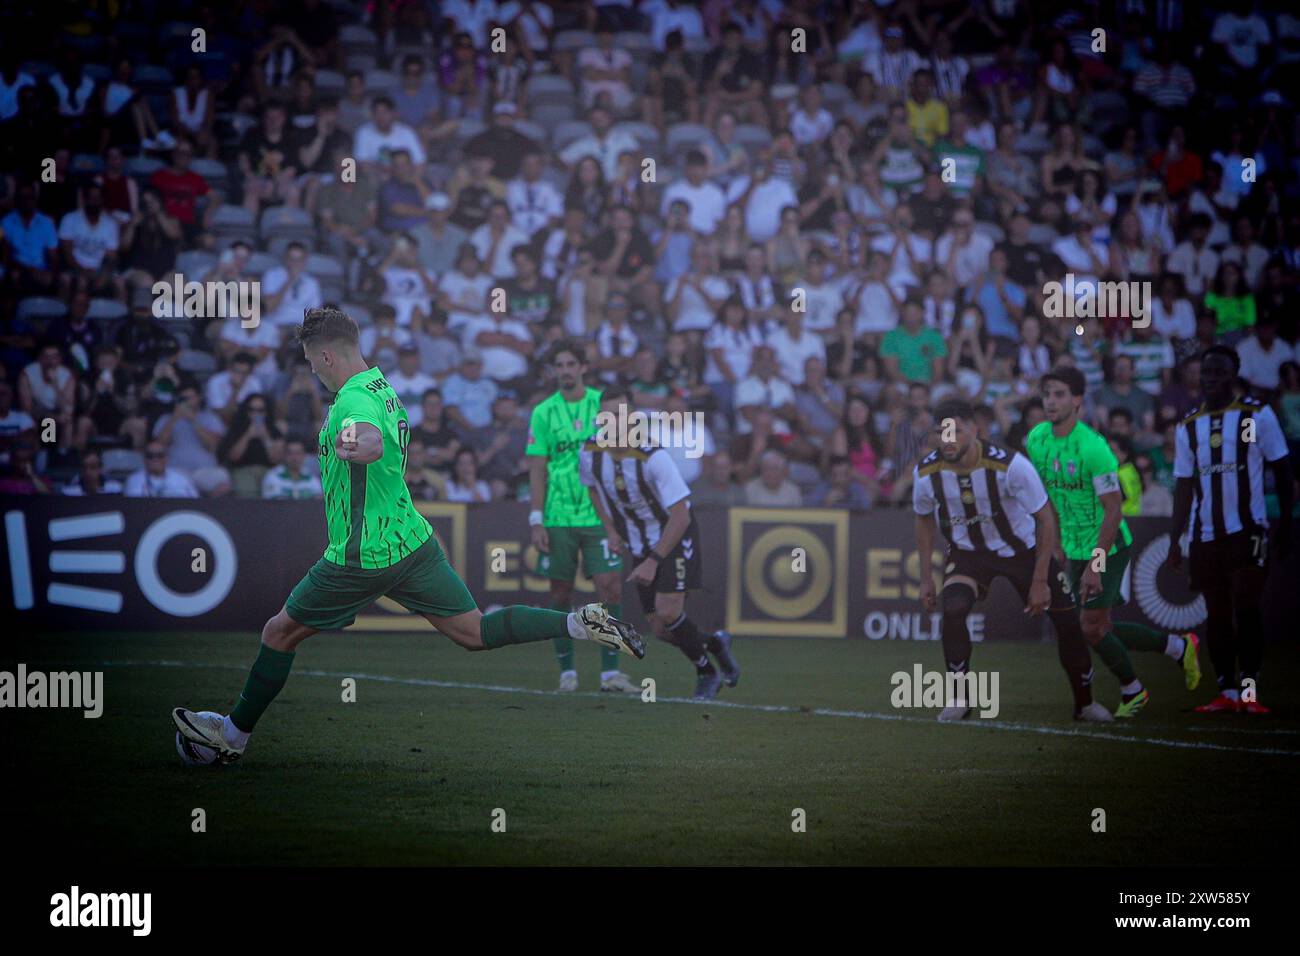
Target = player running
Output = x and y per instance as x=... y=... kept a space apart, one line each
x=993 y=510
x=1081 y=475
x=379 y=545
x=644 y=505
x=564 y=525
x=1220 y=451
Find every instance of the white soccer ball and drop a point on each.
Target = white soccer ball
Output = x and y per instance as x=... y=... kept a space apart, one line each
x=196 y=755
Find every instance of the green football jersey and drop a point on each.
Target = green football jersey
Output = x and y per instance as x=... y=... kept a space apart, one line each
x=372 y=522
x=1075 y=470
x=557 y=431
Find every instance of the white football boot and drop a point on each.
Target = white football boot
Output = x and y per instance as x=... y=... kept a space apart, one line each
x=619 y=683
x=205 y=729
x=610 y=631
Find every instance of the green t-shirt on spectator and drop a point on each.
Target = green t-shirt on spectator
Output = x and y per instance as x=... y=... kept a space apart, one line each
x=914 y=352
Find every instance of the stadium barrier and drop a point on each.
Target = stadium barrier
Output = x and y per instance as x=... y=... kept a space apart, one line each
x=227 y=564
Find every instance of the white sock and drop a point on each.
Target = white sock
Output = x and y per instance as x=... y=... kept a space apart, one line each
x=232 y=734
x=606 y=675
x=1131 y=688
x=1174 y=646
x=564 y=674
x=576 y=630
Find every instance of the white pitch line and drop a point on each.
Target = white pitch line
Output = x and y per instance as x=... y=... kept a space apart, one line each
x=758 y=708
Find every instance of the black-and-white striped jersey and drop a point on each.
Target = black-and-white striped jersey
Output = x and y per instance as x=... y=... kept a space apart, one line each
x=989 y=508
x=637 y=487
x=1224 y=452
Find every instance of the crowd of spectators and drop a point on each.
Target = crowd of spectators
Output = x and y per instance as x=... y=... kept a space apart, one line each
x=808 y=220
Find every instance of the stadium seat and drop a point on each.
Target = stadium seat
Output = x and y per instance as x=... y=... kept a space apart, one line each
x=573 y=40
x=540 y=87
x=196 y=362
x=259 y=263
x=328 y=271
x=40 y=308
x=534 y=131
x=106 y=310
x=646 y=135
x=380 y=82
x=551 y=113
x=286 y=221
x=365 y=62
x=121 y=462
x=140 y=168
x=148 y=78
x=753 y=137
x=87 y=164
x=354 y=38
x=232 y=222
x=330 y=83
x=216 y=173
x=569 y=132
x=634 y=41
x=360 y=314
x=195 y=263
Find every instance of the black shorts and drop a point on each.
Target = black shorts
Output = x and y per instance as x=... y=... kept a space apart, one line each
x=1211 y=563
x=680 y=571
x=984 y=566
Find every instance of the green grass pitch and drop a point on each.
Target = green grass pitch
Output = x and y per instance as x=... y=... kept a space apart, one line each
x=411 y=773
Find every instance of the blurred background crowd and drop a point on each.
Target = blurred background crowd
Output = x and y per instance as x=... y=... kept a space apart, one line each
x=807 y=220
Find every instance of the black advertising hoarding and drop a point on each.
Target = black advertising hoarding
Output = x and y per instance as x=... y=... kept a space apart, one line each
x=227 y=564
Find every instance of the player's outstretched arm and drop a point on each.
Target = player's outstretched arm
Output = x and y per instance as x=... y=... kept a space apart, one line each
x=361 y=443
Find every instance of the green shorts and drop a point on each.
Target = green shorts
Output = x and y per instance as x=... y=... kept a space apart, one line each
x=1114 y=580
x=331 y=595
x=561 y=562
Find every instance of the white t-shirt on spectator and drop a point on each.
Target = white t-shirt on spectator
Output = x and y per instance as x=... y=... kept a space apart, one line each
x=763 y=209
x=471 y=294
x=499 y=363
x=707 y=202
x=972 y=260
x=1178 y=322
x=695 y=312
x=172 y=484
x=808 y=130
x=791 y=353
x=302 y=295
x=1260 y=367
x=533 y=205
x=501 y=266
x=773 y=394
x=410 y=389
x=372 y=146
x=217 y=392
x=737 y=347
x=405 y=291
x=90 y=243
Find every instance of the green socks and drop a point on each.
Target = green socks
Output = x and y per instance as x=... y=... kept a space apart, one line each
x=265 y=680
x=1139 y=637
x=1114 y=654
x=564 y=647
x=609 y=656
x=520 y=624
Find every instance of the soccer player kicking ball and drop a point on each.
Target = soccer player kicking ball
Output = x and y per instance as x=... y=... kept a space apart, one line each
x=1081 y=475
x=1219 y=457
x=992 y=508
x=645 y=506
x=563 y=523
x=379 y=545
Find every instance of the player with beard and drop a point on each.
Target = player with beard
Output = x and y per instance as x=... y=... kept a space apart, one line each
x=992 y=508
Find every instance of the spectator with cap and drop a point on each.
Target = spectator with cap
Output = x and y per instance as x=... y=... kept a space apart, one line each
x=502 y=143
x=437 y=238
x=156 y=479
x=469 y=393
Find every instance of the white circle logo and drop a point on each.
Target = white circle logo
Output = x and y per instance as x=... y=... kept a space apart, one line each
x=1159 y=609
x=146 y=564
